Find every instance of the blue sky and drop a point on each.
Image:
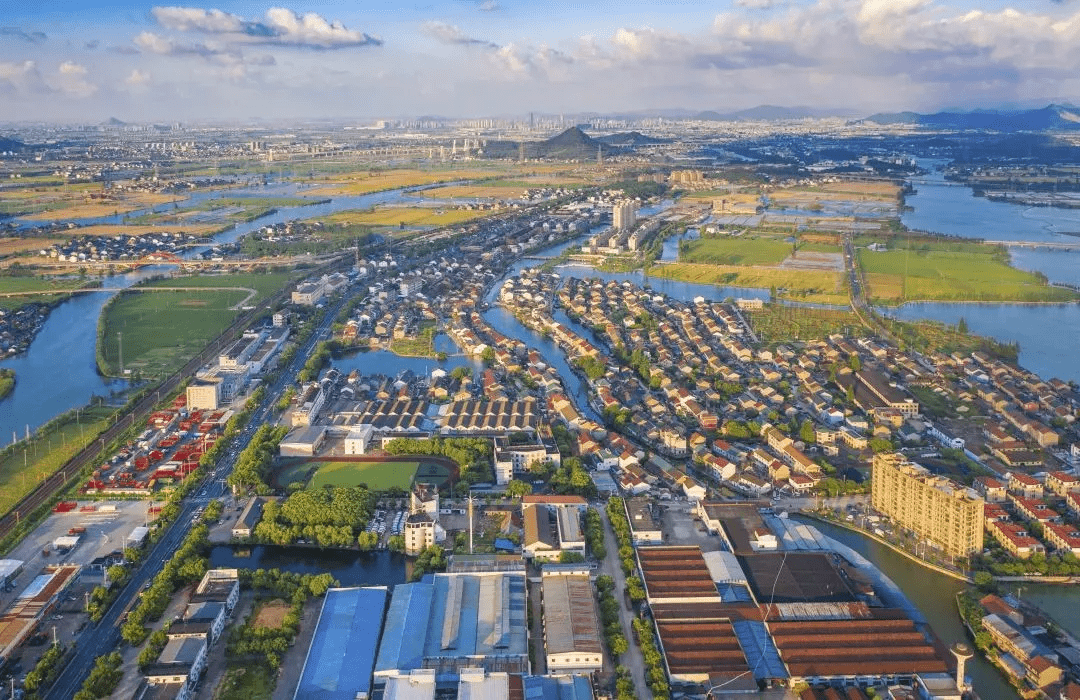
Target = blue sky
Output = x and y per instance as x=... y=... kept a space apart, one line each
x=85 y=60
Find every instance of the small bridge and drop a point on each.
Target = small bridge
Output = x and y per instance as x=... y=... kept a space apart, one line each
x=1045 y=245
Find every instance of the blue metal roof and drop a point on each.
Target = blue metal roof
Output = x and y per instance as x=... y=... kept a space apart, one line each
x=342 y=654
x=760 y=652
x=576 y=687
x=407 y=620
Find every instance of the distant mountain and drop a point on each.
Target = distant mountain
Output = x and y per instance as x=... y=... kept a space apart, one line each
x=10 y=145
x=630 y=138
x=572 y=144
x=764 y=113
x=113 y=121
x=1049 y=118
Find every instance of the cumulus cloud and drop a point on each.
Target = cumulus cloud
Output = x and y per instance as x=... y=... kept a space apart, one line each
x=452 y=34
x=488 y=6
x=71 y=79
x=757 y=4
x=138 y=78
x=280 y=26
x=20 y=77
x=31 y=37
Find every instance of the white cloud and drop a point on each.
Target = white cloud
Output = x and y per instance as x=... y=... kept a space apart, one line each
x=280 y=26
x=757 y=4
x=70 y=79
x=452 y=34
x=20 y=77
x=138 y=78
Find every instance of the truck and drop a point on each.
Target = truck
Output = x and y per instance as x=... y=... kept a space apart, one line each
x=77 y=531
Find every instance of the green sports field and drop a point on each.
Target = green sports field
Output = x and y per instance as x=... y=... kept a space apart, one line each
x=378 y=476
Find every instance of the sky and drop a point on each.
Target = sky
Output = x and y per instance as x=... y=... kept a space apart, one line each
x=87 y=60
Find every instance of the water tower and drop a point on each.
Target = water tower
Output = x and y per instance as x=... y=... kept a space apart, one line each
x=962 y=652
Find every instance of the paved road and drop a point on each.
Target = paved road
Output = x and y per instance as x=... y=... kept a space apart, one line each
x=611 y=566
x=105 y=635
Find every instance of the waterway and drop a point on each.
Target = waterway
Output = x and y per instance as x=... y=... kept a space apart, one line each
x=935 y=597
x=350 y=568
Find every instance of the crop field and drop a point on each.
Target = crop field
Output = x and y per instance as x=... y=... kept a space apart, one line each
x=777 y=324
x=952 y=272
x=377 y=181
x=409 y=216
x=735 y=251
x=839 y=191
x=160 y=331
x=801 y=285
x=60 y=204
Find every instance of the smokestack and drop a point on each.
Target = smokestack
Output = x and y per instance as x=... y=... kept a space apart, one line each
x=962 y=652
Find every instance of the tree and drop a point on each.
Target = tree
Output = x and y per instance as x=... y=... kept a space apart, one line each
x=962 y=326
x=806 y=432
x=517 y=488
x=396 y=543
x=618 y=644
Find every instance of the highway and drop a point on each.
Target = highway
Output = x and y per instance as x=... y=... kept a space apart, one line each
x=105 y=635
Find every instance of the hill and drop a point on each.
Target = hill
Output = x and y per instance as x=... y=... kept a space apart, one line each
x=1049 y=118
x=763 y=113
x=630 y=138
x=572 y=144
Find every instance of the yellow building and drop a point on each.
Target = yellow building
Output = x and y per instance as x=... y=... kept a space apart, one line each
x=944 y=513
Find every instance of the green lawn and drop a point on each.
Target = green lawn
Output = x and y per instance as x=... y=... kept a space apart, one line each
x=948 y=271
x=736 y=251
x=379 y=476
x=162 y=330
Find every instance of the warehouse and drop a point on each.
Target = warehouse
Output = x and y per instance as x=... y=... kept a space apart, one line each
x=35 y=602
x=341 y=658
x=571 y=623
x=448 y=622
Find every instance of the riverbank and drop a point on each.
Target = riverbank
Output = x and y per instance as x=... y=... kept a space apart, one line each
x=880 y=540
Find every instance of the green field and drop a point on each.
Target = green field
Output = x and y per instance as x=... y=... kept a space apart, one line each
x=23 y=466
x=735 y=251
x=163 y=330
x=930 y=270
x=377 y=476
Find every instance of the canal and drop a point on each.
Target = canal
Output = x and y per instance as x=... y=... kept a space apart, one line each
x=933 y=594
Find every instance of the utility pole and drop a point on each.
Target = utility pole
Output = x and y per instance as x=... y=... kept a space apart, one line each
x=470 y=522
x=120 y=343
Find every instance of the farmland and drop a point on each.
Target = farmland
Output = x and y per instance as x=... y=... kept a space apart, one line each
x=735 y=251
x=75 y=201
x=812 y=286
x=407 y=216
x=162 y=330
x=777 y=324
x=917 y=269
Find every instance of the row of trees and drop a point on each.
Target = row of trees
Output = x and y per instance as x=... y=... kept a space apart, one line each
x=254 y=462
x=594 y=534
x=609 y=617
x=621 y=526
x=45 y=671
x=103 y=678
x=472 y=455
x=655 y=675
x=154 y=646
x=188 y=565
x=318 y=360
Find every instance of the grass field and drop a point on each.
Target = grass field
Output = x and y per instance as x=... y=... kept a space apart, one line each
x=378 y=476
x=162 y=330
x=23 y=467
x=802 y=285
x=246 y=682
x=67 y=205
x=377 y=181
x=410 y=216
x=735 y=251
x=839 y=191
x=951 y=271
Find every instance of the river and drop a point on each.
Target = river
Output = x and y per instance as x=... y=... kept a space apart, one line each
x=935 y=597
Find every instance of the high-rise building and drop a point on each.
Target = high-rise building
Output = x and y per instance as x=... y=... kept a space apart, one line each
x=940 y=511
x=624 y=215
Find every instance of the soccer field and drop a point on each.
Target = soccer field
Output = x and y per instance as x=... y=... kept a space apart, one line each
x=379 y=476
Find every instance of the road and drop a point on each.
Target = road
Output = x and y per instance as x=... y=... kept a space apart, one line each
x=105 y=635
x=611 y=566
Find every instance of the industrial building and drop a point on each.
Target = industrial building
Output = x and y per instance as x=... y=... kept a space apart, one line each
x=341 y=658
x=449 y=622
x=941 y=511
x=571 y=623
x=643 y=526
x=550 y=530
x=36 y=601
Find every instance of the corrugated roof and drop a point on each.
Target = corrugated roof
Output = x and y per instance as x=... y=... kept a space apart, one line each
x=341 y=658
x=571 y=623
